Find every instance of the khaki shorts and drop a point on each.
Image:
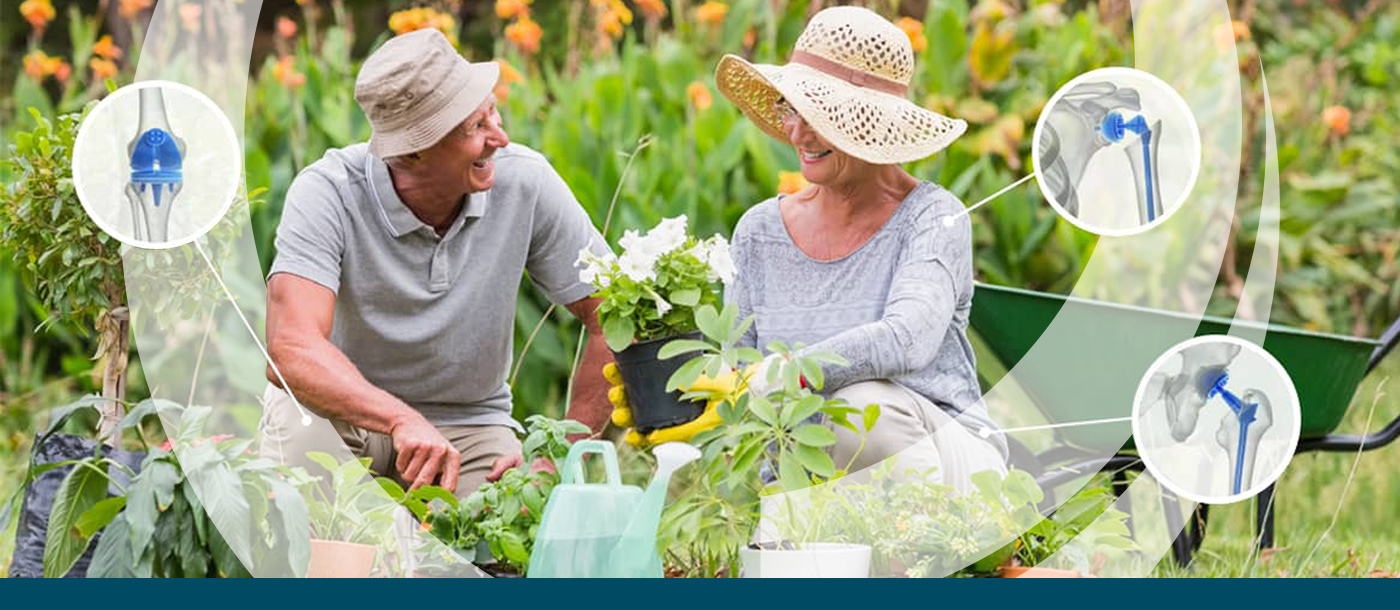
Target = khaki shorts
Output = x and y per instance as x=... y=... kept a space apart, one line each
x=285 y=440
x=917 y=433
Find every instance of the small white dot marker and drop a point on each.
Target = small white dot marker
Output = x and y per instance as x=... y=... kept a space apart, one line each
x=984 y=432
x=948 y=221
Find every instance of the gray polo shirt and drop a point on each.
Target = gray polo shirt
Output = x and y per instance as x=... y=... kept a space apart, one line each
x=430 y=319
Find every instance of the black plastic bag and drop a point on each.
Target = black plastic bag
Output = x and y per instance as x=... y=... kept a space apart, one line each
x=32 y=530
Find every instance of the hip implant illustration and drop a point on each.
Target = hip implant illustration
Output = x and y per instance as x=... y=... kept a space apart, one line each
x=156 y=159
x=1188 y=395
x=1092 y=117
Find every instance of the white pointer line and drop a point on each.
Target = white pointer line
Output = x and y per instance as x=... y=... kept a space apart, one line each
x=948 y=220
x=986 y=432
x=305 y=417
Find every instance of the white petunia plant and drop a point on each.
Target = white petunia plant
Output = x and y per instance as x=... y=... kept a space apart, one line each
x=652 y=290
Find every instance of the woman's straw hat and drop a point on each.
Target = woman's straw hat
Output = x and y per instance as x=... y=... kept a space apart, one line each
x=847 y=78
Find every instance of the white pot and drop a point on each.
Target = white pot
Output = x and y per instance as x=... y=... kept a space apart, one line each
x=814 y=560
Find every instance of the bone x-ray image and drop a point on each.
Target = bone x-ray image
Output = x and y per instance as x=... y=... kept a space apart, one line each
x=156 y=164
x=1216 y=419
x=1116 y=151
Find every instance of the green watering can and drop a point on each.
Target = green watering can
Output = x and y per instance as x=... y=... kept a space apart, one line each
x=604 y=530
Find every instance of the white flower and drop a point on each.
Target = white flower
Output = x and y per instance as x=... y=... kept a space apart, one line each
x=638 y=266
x=669 y=234
x=717 y=257
x=662 y=306
x=596 y=270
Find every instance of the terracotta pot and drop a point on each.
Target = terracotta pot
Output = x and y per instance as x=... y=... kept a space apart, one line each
x=335 y=559
x=1034 y=572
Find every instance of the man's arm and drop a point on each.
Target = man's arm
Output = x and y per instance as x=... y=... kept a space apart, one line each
x=299 y=317
x=590 y=402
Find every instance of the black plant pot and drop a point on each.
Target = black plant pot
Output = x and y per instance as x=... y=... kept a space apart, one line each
x=644 y=376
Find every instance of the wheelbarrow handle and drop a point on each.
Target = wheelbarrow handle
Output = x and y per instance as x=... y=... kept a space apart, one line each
x=1388 y=341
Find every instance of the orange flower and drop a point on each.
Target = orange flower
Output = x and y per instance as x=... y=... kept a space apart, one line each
x=286 y=73
x=63 y=71
x=699 y=95
x=36 y=65
x=130 y=8
x=791 y=182
x=106 y=49
x=102 y=68
x=189 y=16
x=712 y=12
x=651 y=9
x=1337 y=119
x=286 y=28
x=509 y=76
x=420 y=18
x=750 y=37
x=610 y=23
x=915 y=30
x=37 y=12
x=526 y=34
x=509 y=9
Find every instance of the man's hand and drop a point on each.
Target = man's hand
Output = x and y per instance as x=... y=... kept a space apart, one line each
x=425 y=455
x=507 y=462
x=727 y=386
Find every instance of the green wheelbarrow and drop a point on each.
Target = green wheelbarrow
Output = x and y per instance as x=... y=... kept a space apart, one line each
x=1326 y=370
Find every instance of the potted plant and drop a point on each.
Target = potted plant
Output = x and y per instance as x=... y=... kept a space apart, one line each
x=350 y=517
x=495 y=525
x=649 y=295
x=765 y=445
x=246 y=512
x=1078 y=535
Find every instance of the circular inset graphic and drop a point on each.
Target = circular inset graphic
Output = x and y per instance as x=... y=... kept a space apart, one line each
x=1216 y=419
x=156 y=164
x=1116 y=151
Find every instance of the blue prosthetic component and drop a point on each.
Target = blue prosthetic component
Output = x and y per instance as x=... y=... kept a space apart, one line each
x=1114 y=128
x=1244 y=412
x=156 y=161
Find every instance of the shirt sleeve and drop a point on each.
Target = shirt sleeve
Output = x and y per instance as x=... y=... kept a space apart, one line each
x=311 y=234
x=933 y=273
x=737 y=292
x=561 y=229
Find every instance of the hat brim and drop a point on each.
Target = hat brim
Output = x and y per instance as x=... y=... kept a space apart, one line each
x=870 y=125
x=419 y=135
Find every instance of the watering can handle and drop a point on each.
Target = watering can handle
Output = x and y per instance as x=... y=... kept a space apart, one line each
x=573 y=464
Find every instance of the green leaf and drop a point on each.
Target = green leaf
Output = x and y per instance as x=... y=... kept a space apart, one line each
x=618 y=331
x=815 y=435
x=802 y=409
x=84 y=487
x=688 y=297
x=687 y=374
x=99 y=516
x=791 y=475
x=428 y=493
x=513 y=549
x=707 y=320
x=762 y=408
x=681 y=346
x=295 y=523
x=816 y=461
x=870 y=416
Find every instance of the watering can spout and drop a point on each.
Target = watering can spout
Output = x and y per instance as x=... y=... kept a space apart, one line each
x=635 y=553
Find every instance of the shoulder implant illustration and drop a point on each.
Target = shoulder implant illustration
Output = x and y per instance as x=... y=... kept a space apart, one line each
x=156 y=157
x=1089 y=118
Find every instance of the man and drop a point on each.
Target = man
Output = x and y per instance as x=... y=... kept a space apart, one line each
x=391 y=304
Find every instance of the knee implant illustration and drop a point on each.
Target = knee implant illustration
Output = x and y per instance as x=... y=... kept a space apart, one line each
x=1090 y=118
x=156 y=159
x=1203 y=379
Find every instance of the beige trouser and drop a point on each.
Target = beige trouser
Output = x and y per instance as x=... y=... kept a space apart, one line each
x=917 y=433
x=285 y=440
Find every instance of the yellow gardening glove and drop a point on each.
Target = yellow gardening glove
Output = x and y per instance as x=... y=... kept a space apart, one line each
x=727 y=386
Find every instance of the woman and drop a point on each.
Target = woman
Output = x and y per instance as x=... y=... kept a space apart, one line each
x=867 y=261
